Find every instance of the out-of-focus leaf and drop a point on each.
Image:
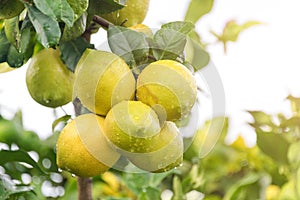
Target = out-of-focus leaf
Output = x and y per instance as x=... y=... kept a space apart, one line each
x=128 y=44
x=63 y=119
x=294 y=155
x=76 y=30
x=170 y=40
x=59 y=10
x=104 y=6
x=149 y=193
x=232 y=30
x=261 y=119
x=295 y=104
x=79 y=7
x=12 y=31
x=177 y=189
x=18 y=156
x=192 y=180
x=72 y=50
x=47 y=29
x=273 y=145
x=197 y=9
x=9 y=189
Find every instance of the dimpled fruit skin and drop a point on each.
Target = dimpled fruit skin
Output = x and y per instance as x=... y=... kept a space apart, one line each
x=132 y=127
x=134 y=12
x=48 y=80
x=168 y=151
x=102 y=80
x=85 y=131
x=10 y=8
x=169 y=84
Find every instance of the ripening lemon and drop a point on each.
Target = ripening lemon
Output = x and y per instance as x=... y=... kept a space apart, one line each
x=142 y=28
x=166 y=154
x=10 y=8
x=132 y=127
x=102 y=80
x=82 y=148
x=133 y=13
x=48 y=80
x=169 y=86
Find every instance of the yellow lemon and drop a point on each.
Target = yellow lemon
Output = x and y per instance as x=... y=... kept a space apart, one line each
x=82 y=148
x=102 y=80
x=167 y=85
x=48 y=80
x=142 y=28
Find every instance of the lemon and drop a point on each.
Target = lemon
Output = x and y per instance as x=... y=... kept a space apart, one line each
x=102 y=80
x=133 y=13
x=132 y=127
x=82 y=149
x=272 y=192
x=48 y=80
x=10 y=8
x=4 y=67
x=168 y=85
x=142 y=28
x=168 y=151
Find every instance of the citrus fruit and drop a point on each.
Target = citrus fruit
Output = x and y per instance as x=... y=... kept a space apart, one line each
x=142 y=28
x=133 y=13
x=10 y=8
x=102 y=80
x=167 y=151
x=48 y=80
x=132 y=127
x=168 y=85
x=82 y=149
x=4 y=67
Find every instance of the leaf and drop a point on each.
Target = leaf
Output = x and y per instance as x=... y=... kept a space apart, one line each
x=12 y=31
x=57 y=9
x=63 y=119
x=18 y=156
x=76 y=30
x=103 y=6
x=198 y=8
x=170 y=40
x=149 y=193
x=14 y=58
x=4 y=46
x=8 y=188
x=47 y=29
x=27 y=43
x=79 y=7
x=71 y=51
x=293 y=154
x=128 y=44
x=273 y=145
x=177 y=189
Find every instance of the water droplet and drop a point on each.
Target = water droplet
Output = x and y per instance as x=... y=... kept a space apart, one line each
x=73 y=175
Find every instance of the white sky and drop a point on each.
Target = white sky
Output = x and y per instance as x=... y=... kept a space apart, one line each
x=257 y=73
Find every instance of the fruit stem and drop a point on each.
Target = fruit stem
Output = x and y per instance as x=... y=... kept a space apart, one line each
x=84 y=188
x=99 y=20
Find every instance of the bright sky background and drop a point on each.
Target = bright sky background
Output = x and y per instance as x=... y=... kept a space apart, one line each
x=258 y=72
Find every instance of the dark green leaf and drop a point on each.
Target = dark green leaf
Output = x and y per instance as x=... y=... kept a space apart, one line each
x=273 y=145
x=63 y=119
x=14 y=58
x=149 y=193
x=128 y=44
x=59 y=10
x=76 y=30
x=17 y=156
x=4 y=46
x=79 y=7
x=71 y=51
x=12 y=31
x=98 y=7
x=47 y=29
x=197 y=9
x=170 y=40
x=27 y=43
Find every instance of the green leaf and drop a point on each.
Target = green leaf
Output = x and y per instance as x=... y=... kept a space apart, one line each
x=197 y=9
x=18 y=156
x=27 y=43
x=170 y=40
x=177 y=189
x=57 y=9
x=76 y=30
x=273 y=145
x=99 y=7
x=132 y=46
x=79 y=7
x=71 y=51
x=12 y=31
x=47 y=29
x=149 y=193
x=14 y=58
x=63 y=119
x=4 y=46
x=293 y=154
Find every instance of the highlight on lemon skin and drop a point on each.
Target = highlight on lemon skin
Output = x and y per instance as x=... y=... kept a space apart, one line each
x=82 y=148
x=170 y=84
x=102 y=80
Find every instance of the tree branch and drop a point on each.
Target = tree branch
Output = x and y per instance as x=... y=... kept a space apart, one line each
x=84 y=188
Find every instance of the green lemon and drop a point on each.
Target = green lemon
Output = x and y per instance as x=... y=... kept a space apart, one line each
x=48 y=80
x=169 y=87
x=168 y=152
x=102 y=80
x=10 y=8
x=133 y=13
x=132 y=127
x=82 y=148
